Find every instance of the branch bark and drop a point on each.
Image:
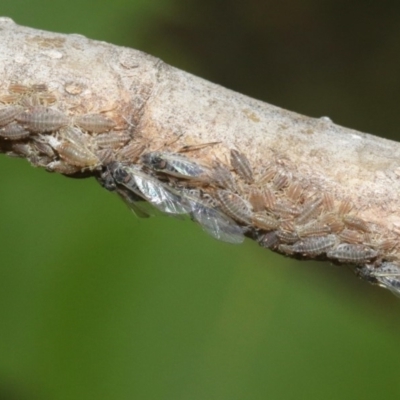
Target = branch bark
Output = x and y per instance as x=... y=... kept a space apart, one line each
x=84 y=105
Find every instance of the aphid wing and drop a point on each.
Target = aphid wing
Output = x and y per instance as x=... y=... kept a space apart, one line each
x=217 y=224
x=160 y=196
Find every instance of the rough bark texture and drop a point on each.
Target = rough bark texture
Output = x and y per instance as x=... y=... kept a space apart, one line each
x=83 y=105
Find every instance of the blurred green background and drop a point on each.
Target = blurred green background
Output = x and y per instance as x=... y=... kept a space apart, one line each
x=95 y=304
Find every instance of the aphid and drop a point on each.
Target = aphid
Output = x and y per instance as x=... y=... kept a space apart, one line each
x=281 y=180
x=313 y=229
x=175 y=165
x=22 y=149
x=350 y=236
x=309 y=211
x=10 y=98
x=112 y=140
x=328 y=201
x=73 y=135
x=355 y=223
x=336 y=225
x=95 y=123
x=41 y=145
x=18 y=88
x=46 y=98
x=62 y=167
x=354 y=253
x=8 y=114
x=43 y=119
x=264 y=221
x=222 y=177
x=214 y=222
x=241 y=165
x=105 y=156
x=284 y=208
x=313 y=246
x=151 y=189
x=77 y=155
x=130 y=152
x=269 y=199
x=233 y=205
x=287 y=237
x=257 y=199
x=294 y=191
x=268 y=240
x=14 y=131
x=345 y=207
x=268 y=174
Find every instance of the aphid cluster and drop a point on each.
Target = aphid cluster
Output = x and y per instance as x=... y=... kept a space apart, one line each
x=34 y=125
x=230 y=200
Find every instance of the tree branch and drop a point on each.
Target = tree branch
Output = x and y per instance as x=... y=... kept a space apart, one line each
x=310 y=188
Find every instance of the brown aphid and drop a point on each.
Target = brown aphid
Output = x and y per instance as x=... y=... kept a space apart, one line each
x=106 y=156
x=310 y=210
x=268 y=240
x=94 y=123
x=241 y=165
x=10 y=98
x=353 y=253
x=355 y=223
x=234 y=206
x=350 y=236
x=328 y=202
x=43 y=119
x=130 y=152
x=9 y=113
x=285 y=209
x=314 y=246
x=294 y=192
x=268 y=174
x=46 y=98
x=281 y=180
x=19 y=88
x=77 y=155
x=112 y=140
x=313 y=229
x=345 y=207
x=62 y=167
x=269 y=199
x=332 y=220
x=257 y=199
x=264 y=221
x=14 y=131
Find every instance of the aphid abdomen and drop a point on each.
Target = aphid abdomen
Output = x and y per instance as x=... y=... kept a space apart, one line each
x=353 y=253
x=313 y=229
x=284 y=209
x=351 y=237
x=287 y=237
x=241 y=165
x=62 y=167
x=314 y=246
x=8 y=114
x=257 y=199
x=222 y=177
x=112 y=140
x=130 y=152
x=77 y=155
x=294 y=192
x=309 y=211
x=264 y=221
x=233 y=205
x=14 y=131
x=95 y=123
x=43 y=119
x=353 y=222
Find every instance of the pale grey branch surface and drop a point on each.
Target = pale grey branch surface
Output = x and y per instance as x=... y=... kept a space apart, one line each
x=352 y=179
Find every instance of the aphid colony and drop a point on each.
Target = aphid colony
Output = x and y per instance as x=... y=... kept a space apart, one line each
x=228 y=200
x=33 y=127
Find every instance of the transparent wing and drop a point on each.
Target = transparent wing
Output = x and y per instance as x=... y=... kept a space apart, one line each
x=161 y=196
x=217 y=224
